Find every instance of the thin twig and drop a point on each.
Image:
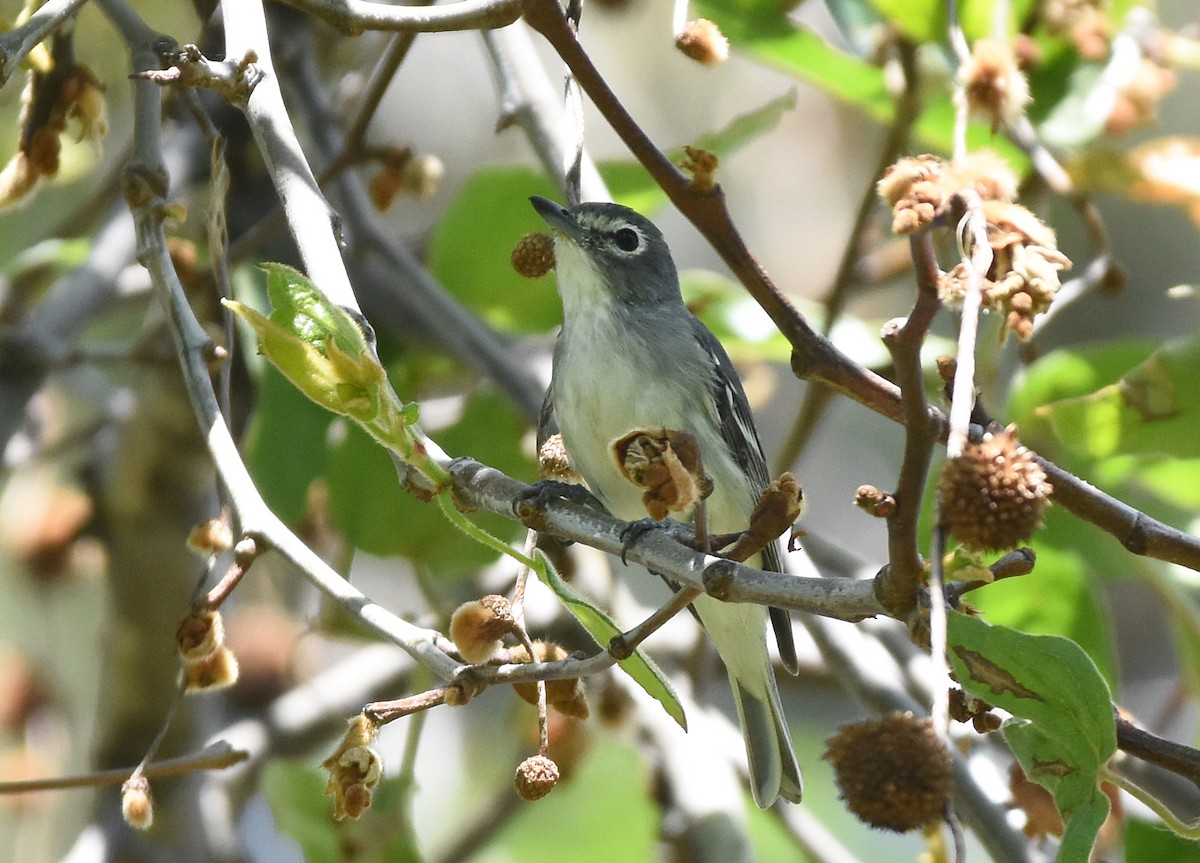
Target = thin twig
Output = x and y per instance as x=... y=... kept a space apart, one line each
x=216 y=756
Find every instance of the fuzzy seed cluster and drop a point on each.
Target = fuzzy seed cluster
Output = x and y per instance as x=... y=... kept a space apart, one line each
x=1023 y=278
x=995 y=494
x=892 y=771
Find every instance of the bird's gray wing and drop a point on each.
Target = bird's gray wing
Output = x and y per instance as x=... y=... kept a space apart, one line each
x=740 y=436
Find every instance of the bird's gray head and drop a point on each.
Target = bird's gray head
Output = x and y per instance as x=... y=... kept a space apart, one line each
x=609 y=252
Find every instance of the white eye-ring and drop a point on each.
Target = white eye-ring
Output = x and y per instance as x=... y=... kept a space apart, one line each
x=627 y=239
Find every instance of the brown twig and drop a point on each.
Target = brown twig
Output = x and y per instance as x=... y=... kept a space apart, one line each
x=899 y=582
x=1175 y=757
x=216 y=756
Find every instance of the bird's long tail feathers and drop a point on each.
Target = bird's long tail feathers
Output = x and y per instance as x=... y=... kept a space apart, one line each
x=774 y=771
x=739 y=633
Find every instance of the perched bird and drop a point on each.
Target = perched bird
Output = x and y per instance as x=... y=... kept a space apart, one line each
x=631 y=356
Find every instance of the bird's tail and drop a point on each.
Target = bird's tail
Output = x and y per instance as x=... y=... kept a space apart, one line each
x=739 y=633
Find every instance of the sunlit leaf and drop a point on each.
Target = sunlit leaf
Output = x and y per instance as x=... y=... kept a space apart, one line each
x=1062 y=731
x=1151 y=410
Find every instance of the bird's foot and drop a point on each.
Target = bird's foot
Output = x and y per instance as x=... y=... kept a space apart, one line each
x=634 y=531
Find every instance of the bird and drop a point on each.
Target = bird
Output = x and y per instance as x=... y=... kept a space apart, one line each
x=630 y=356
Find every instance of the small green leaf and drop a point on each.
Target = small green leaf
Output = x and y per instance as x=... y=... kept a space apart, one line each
x=602 y=628
x=1062 y=730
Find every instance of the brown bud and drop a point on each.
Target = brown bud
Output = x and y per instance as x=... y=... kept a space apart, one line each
x=995 y=494
x=137 y=807
x=211 y=537
x=217 y=670
x=533 y=255
x=702 y=165
x=778 y=507
x=199 y=634
x=703 y=41
x=476 y=627
x=874 y=501
x=893 y=771
x=536 y=777
x=385 y=187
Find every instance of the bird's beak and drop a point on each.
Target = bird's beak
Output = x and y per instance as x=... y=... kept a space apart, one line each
x=557 y=216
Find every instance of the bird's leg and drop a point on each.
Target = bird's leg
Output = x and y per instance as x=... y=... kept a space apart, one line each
x=635 y=530
x=543 y=491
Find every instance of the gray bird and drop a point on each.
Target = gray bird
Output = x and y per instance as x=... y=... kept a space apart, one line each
x=631 y=356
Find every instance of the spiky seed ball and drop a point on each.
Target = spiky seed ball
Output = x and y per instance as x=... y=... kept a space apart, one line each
x=703 y=41
x=533 y=255
x=893 y=771
x=536 y=777
x=476 y=627
x=995 y=494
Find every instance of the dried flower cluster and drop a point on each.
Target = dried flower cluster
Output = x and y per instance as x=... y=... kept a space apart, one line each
x=992 y=83
x=995 y=494
x=892 y=771
x=355 y=768
x=402 y=172
x=53 y=99
x=1023 y=278
x=665 y=462
x=207 y=662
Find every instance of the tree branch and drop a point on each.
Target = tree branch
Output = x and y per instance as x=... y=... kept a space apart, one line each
x=355 y=16
x=16 y=44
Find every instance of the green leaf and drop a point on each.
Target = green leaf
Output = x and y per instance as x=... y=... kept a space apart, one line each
x=300 y=306
x=285 y=445
x=1062 y=730
x=379 y=517
x=301 y=810
x=1151 y=410
x=1147 y=841
x=602 y=628
x=1061 y=595
x=764 y=31
x=1067 y=374
x=922 y=20
x=1082 y=828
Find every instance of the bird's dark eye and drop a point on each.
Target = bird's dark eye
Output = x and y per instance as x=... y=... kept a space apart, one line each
x=627 y=239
